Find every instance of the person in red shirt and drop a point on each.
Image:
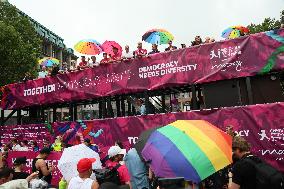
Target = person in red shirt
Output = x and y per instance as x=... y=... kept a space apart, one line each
x=116 y=57
x=116 y=155
x=105 y=59
x=83 y=64
x=140 y=52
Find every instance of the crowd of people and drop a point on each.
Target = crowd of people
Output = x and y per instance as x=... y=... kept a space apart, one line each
x=122 y=169
x=126 y=55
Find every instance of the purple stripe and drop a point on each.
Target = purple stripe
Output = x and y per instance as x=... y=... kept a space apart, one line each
x=167 y=159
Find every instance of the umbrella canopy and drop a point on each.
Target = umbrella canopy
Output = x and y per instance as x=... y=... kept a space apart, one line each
x=109 y=45
x=157 y=36
x=193 y=149
x=48 y=61
x=71 y=156
x=89 y=47
x=242 y=29
x=234 y=32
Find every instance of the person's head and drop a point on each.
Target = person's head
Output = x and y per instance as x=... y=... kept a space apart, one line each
x=33 y=143
x=84 y=167
x=46 y=143
x=24 y=143
x=94 y=58
x=44 y=153
x=14 y=141
x=212 y=40
x=139 y=45
x=240 y=147
x=118 y=143
x=183 y=46
x=282 y=26
x=6 y=175
x=20 y=163
x=115 y=50
x=43 y=68
x=105 y=55
x=207 y=40
x=230 y=131
x=154 y=47
x=198 y=40
x=139 y=102
x=87 y=142
x=83 y=58
x=126 y=48
x=170 y=43
x=116 y=154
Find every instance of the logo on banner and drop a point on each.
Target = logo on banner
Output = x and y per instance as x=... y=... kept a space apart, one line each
x=221 y=58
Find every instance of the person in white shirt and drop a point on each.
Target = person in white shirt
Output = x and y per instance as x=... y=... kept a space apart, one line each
x=16 y=146
x=127 y=54
x=24 y=146
x=83 y=180
x=93 y=62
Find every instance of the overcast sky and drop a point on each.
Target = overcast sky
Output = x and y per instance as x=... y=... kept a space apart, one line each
x=125 y=21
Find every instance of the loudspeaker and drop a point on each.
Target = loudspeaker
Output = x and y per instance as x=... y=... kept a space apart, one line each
x=222 y=94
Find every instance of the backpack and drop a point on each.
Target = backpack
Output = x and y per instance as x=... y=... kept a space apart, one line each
x=266 y=175
x=108 y=175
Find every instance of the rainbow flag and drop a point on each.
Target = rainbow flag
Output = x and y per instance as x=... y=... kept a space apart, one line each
x=193 y=149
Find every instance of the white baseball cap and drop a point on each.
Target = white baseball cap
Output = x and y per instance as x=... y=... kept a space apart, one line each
x=115 y=150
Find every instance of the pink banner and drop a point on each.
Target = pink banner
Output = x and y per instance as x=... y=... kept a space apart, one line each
x=51 y=161
x=261 y=125
x=245 y=56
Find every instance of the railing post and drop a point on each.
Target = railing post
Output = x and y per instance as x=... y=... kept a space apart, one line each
x=54 y=116
x=194 y=98
x=249 y=90
x=163 y=103
x=75 y=111
x=71 y=112
x=117 y=101
x=122 y=106
x=19 y=117
x=147 y=102
x=2 y=117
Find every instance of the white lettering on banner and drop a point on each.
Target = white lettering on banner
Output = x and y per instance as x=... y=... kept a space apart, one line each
x=221 y=59
x=39 y=90
x=164 y=69
x=273 y=152
x=132 y=140
x=242 y=133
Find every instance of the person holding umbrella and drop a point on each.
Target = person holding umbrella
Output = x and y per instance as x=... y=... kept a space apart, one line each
x=154 y=49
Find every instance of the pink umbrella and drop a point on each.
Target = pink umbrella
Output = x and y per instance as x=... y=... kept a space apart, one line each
x=109 y=45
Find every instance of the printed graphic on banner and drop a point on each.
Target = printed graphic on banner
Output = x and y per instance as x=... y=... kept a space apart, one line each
x=261 y=125
x=199 y=64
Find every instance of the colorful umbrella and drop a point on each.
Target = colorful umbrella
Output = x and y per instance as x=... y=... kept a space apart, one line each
x=193 y=149
x=88 y=46
x=242 y=29
x=157 y=36
x=108 y=47
x=48 y=61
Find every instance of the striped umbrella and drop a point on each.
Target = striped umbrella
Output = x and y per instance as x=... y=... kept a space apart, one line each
x=48 y=61
x=157 y=36
x=193 y=149
x=89 y=47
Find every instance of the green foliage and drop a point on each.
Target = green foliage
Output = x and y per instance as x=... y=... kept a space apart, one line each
x=20 y=45
x=267 y=25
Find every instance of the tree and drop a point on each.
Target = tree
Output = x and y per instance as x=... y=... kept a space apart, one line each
x=20 y=45
x=267 y=25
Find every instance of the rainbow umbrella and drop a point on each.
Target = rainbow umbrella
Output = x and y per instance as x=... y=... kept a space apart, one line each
x=242 y=29
x=108 y=47
x=88 y=46
x=193 y=149
x=157 y=36
x=48 y=61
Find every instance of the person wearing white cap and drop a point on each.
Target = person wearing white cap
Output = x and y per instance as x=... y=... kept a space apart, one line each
x=116 y=155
